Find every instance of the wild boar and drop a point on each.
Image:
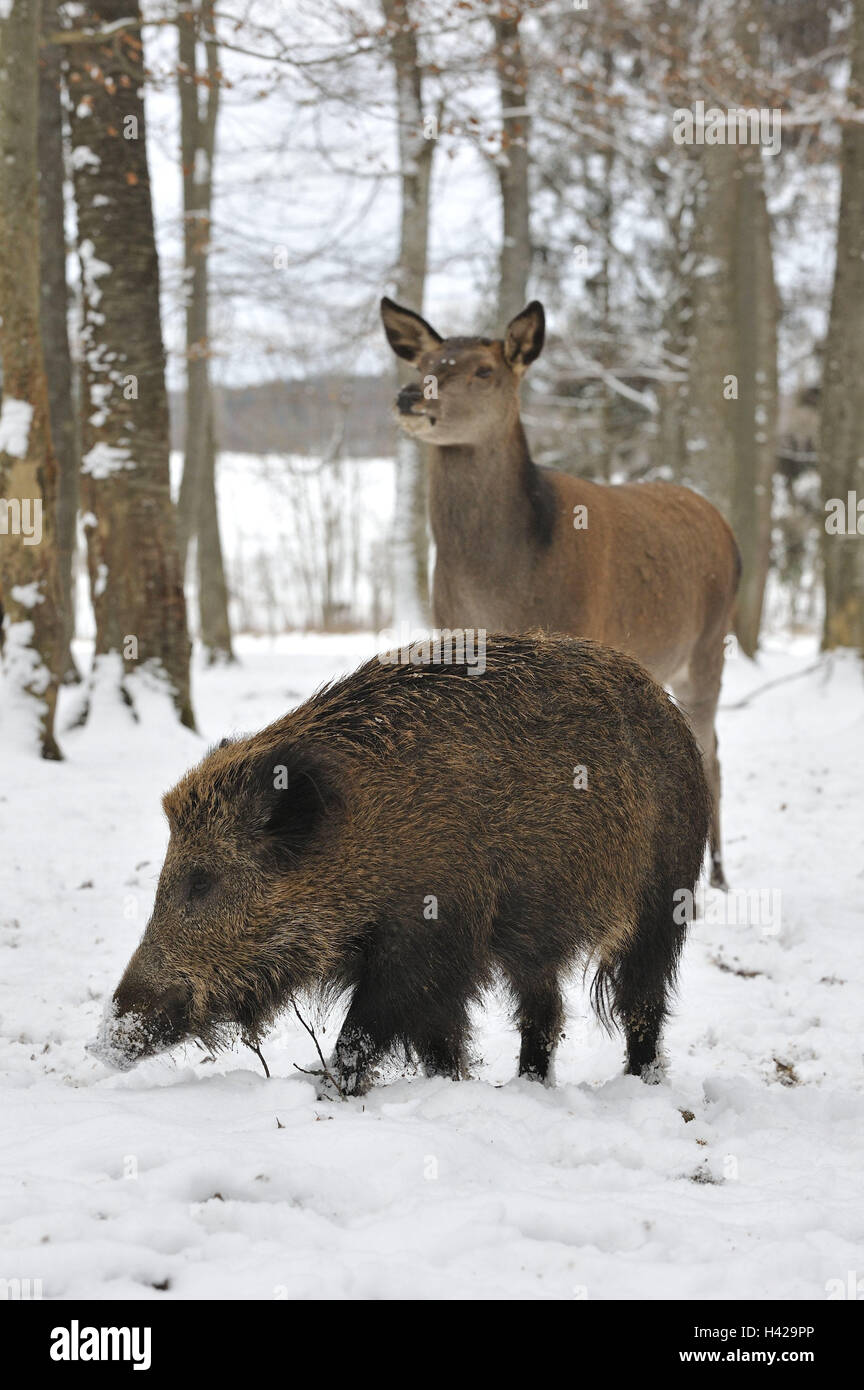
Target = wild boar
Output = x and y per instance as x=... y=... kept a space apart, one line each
x=413 y=833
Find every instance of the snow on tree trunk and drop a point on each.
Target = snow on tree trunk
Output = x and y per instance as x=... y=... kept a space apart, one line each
x=31 y=634
x=133 y=560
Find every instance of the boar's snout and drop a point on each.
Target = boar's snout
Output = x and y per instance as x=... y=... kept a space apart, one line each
x=141 y=1020
x=163 y=1013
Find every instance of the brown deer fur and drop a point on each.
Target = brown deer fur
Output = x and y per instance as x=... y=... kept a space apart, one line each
x=654 y=573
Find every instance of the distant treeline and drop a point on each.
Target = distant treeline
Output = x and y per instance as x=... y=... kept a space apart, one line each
x=300 y=417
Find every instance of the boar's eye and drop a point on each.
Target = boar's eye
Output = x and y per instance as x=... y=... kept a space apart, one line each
x=200 y=884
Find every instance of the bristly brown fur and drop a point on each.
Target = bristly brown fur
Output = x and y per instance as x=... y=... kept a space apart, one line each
x=413 y=832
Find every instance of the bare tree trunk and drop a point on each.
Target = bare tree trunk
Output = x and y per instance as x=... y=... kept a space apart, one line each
x=197 y=512
x=710 y=441
x=195 y=265
x=416 y=148
x=32 y=628
x=607 y=224
x=212 y=588
x=512 y=166
x=669 y=450
x=732 y=386
x=135 y=575
x=54 y=313
x=755 y=411
x=842 y=424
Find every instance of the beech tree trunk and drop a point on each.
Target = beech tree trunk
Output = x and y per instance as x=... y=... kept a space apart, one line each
x=755 y=414
x=731 y=418
x=197 y=513
x=32 y=631
x=512 y=166
x=212 y=588
x=841 y=449
x=410 y=546
x=54 y=317
x=133 y=561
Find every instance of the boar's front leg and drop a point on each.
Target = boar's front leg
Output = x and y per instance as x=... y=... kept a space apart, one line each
x=361 y=1044
x=354 y=1061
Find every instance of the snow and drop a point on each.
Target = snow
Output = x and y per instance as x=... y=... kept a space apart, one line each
x=28 y=595
x=275 y=511
x=85 y=158
x=15 y=420
x=104 y=459
x=21 y=671
x=115 y=1038
x=100 y=397
x=91 y=267
x=739 y=1176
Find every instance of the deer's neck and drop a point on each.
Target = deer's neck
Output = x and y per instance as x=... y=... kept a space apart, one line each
x=488 y=501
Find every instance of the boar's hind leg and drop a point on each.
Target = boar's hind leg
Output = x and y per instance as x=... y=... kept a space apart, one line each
x=642 y=980
x=643 y=1024
x=444 y=1056
x=541 y=1019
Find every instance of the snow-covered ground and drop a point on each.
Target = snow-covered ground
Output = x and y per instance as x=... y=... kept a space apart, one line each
x=739 y=1177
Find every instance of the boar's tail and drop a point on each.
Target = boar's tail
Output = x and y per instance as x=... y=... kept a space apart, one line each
x=637 y=981
x=603 y=997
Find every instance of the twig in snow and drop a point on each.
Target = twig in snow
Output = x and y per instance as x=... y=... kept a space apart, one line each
x=325 y=1070
x=253 y=1047
x=779 y=680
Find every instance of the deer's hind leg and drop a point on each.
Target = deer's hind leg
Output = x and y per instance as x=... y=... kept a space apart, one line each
x=697 y=691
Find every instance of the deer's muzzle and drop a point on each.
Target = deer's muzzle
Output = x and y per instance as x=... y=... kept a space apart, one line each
x=408 y=397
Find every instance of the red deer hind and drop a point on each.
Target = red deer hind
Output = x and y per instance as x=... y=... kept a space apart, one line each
x=649 y=568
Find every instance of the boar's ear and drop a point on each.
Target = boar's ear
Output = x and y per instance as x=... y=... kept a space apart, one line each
x=300 y=790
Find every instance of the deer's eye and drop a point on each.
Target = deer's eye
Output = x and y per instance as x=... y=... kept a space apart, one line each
x=200 y=884
x=483 y=371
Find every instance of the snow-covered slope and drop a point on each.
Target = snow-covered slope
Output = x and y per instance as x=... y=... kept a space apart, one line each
x=740 y=1177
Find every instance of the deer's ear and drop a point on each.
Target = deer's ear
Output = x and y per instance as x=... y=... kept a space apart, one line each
x=408 y=335
x=524 y=339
